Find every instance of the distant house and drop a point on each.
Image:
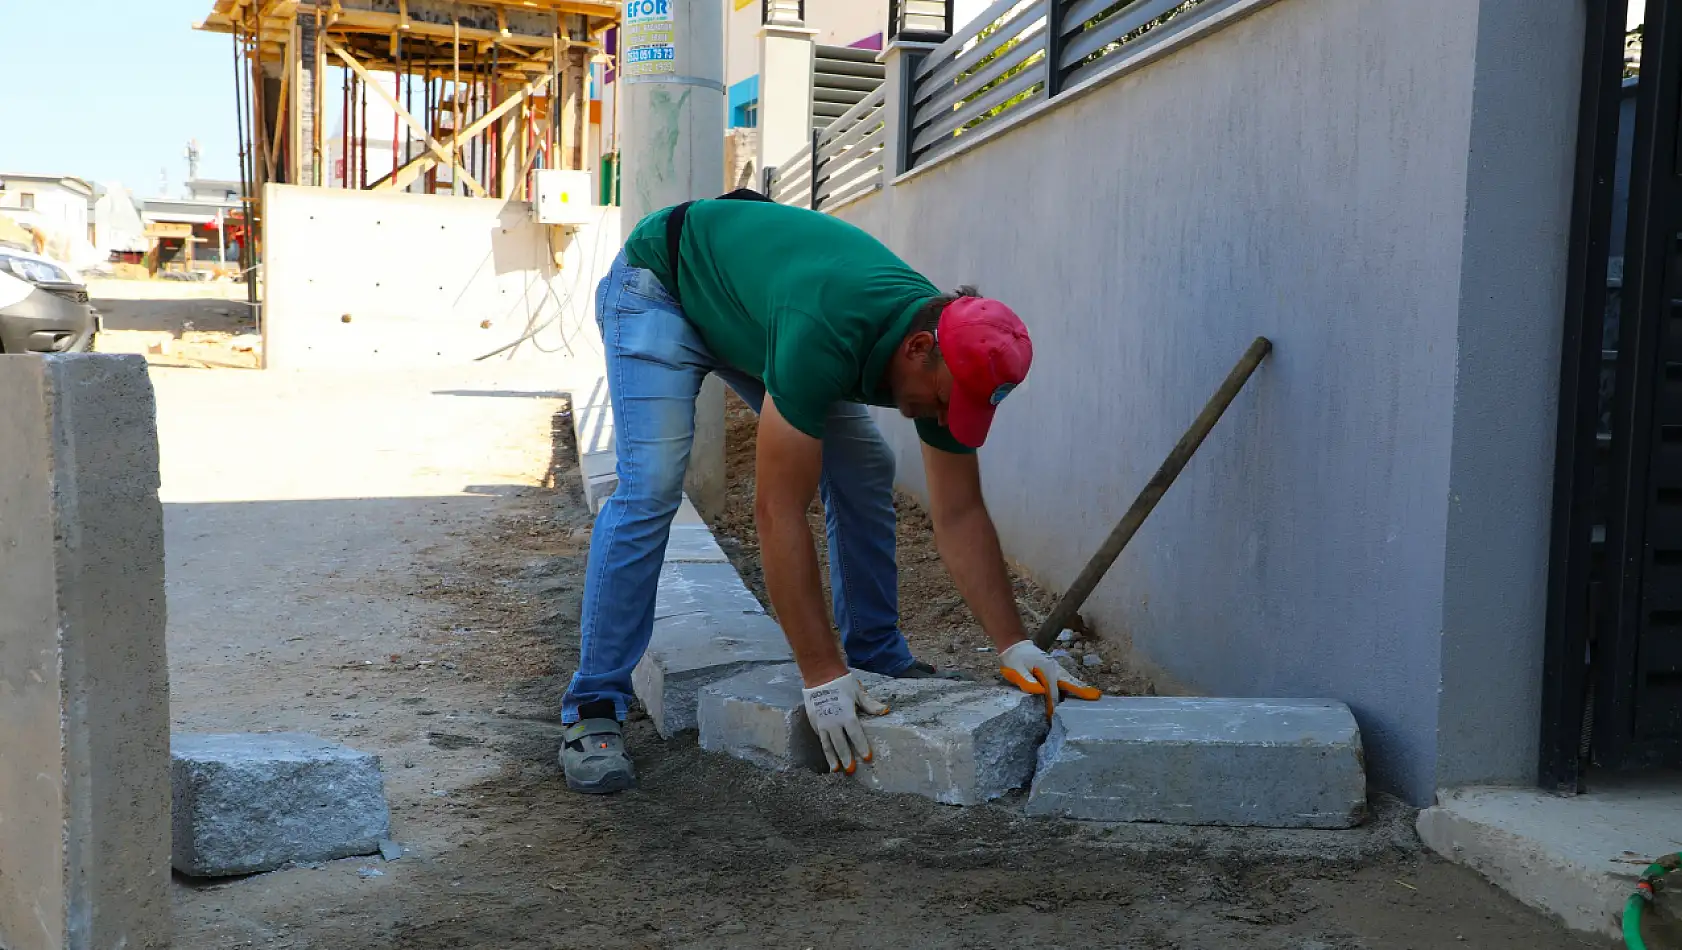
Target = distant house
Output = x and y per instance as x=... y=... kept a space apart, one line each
x=215 y=189
x=203 y=229
x=59 y=208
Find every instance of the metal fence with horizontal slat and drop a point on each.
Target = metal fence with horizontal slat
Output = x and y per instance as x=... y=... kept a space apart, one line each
x=843 y=162
x=850 y=152
x=1019 y=52
x=841 y=76
x=791 y=183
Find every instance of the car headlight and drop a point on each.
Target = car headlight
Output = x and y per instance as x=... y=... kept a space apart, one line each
x=36 y=272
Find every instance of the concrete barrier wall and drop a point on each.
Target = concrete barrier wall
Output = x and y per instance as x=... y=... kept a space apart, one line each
x=374 y=279
x=1301 y=174
x=84 y=688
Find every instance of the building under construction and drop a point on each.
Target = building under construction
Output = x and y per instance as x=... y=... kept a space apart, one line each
x=432 y=97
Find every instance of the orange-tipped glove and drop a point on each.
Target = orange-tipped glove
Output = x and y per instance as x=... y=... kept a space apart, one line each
x=1030 y=670
x=832 y=709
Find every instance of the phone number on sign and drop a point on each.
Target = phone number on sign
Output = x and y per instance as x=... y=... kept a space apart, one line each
x=649 y=54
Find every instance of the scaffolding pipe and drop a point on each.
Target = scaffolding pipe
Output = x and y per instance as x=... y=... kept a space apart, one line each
x=455 y=108
x=244 y=171
x=344 y=131
x=470 y=155
x=431 y=128
x=260 y=112
x=396 y=90
x=409 y=107
x=553 y=139
x=362 y=136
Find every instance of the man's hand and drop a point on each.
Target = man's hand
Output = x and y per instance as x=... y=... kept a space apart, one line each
x=1029 y=669
x=832 y=709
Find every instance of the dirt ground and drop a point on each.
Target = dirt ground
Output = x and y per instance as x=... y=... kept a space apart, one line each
x=427 y=611
x=177 y=323
x=937 y=624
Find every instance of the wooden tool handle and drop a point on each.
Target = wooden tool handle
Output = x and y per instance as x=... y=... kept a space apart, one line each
x=1142 y=506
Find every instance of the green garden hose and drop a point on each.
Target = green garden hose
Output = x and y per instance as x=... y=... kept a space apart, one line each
x=1643 y=896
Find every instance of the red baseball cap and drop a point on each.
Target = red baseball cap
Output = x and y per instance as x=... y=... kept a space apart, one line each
x=986 y=346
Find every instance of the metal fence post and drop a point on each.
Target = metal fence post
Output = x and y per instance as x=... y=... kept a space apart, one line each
x=1054 y=43
x=907 y=96
x=812 y=202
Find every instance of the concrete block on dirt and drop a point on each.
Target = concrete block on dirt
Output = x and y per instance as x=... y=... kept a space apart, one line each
x=245 y=803
x=1276 y=763
x=760 y=716
x=705 y=588
x=600 y=471
x=959 y=743
x=693 y=544
x=84 y=686
x=1566 y=855
x=692 y=650
x=592 y=430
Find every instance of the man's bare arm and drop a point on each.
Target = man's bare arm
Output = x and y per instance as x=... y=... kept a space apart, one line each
x=969 y=544
x=787 y=466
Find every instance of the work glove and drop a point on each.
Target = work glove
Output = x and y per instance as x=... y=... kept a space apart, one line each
x=832 y=709
x=1030 y=670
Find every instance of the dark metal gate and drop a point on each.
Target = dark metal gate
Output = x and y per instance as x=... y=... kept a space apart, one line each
x=1613 y=690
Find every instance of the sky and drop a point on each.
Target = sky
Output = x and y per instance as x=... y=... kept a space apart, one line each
x=144 y=82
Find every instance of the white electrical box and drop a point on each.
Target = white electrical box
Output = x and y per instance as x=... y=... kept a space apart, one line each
x=562 y=197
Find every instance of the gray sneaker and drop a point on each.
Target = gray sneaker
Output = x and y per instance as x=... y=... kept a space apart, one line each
x=593 y=758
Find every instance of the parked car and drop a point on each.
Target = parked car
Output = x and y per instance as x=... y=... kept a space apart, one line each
x=43 y=306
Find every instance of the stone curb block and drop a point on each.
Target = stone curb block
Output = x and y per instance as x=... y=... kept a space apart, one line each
x=245 y=803
x=693 y=544
x=760 y=716
x=958 y=743
x=691 y=650
x=710 y=588
x=1281 y=763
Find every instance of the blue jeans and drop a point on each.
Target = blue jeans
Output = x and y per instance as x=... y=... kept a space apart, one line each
x=655 y=364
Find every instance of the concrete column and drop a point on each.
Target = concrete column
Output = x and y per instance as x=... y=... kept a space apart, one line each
x=1524 y=86
x=899 y=58
x=84 y=689
x=673 y=151
x=785 y=90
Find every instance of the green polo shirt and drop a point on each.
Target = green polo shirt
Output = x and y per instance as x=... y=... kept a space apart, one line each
x=804 y=302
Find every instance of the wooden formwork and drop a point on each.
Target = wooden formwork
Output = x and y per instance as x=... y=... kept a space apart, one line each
x=481 y=91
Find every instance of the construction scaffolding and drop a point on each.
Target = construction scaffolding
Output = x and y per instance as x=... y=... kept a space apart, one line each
x=479 y=93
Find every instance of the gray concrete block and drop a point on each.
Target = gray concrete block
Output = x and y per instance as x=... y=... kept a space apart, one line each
x=597 y=490
x=713 y=589
x=693 y=544
x=691 y=650
x=760 y=716
x=687 y=515
x=597 y=464
x=1556 y=853
x=592 y=430
x=601 y=477
x=245 y=803
x=955 y=742
x=1278 y=763
x=84 y=687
